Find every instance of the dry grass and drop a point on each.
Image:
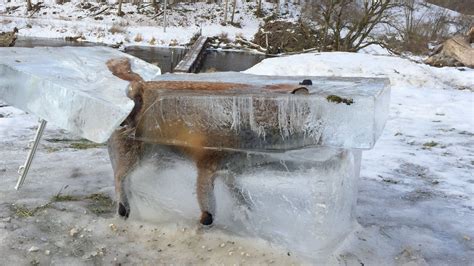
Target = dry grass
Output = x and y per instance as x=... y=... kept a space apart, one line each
x=83 y=145
x=138 y=38
x=152 y=41
x=116 y=29
x=210 y=70
x=62 y=198
x=100 y=204
x=24 y=212
x=224 y=37
x=240 y=35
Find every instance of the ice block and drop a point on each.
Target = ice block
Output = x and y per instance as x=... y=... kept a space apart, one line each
x=302 y=200
x=282 y=165
x=260 y=113
x=70 y=87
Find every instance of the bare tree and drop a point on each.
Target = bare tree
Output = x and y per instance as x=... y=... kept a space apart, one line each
x=233 y=11
x=462 y=6
x=417 y=30
x=346 y=25
x=277 y=7
x=259 y=12
x=225 y=11
x=29 y=7
x=119 y=12
x=155 y=5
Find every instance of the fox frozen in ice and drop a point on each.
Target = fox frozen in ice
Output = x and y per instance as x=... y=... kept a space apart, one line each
x=125 y=152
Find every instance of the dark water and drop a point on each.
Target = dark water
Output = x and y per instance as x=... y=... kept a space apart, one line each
x=214 y=60
x=165 y=58
x=230 y=61
x=162 y=57
x=37 y=42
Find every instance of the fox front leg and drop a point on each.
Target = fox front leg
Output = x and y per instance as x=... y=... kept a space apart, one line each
x=124 y=154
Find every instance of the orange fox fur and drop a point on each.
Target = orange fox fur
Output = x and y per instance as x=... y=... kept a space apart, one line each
x=125 y=152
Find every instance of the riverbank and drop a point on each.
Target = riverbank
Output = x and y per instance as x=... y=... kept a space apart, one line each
x=99 y=23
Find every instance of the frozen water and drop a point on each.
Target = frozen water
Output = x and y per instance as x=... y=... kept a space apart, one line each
x=260 y=113
x=291 y=161
x=271 y=185
x=70 y=87
x=303 y=199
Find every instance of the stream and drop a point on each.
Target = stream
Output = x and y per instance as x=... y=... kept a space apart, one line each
x=164 y=57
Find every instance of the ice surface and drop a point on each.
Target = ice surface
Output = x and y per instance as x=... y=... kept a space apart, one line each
x=70 y=87
x=303 y=200
x=260 y=113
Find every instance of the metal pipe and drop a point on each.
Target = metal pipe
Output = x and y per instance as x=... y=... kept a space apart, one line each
x=23 y=170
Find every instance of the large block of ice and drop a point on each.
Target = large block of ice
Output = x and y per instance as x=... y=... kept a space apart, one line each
x=70 y=87
x=253 y=112
x=302 y=200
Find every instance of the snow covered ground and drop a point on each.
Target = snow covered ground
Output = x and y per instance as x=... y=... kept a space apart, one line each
x=135 y=28
x=415 y=204
x=99 y=23
x=417 y=185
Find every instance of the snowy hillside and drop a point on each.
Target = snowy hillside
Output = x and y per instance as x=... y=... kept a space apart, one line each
x=140 y=25
x=135 y=28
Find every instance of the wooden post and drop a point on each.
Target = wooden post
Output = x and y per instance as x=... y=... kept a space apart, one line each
x=165 y=18
x=233 y=12
x=225 y=11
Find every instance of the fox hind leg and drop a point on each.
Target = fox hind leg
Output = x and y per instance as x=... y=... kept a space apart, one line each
x=124 y=155
x=236 y=192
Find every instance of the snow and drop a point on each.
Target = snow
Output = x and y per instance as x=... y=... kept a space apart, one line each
x=414 y=199
x=184 y=20
x=415 y=204
x=415 y=192
x=401 y=72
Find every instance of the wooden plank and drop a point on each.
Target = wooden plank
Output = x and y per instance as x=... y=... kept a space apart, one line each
x=190 y=61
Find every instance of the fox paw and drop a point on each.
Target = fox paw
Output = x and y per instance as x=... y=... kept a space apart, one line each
x=123 y=210
x=206 y=218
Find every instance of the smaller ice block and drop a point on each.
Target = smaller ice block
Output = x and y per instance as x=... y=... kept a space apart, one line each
x=70 y=87
x=302 y=200
x=260 y=112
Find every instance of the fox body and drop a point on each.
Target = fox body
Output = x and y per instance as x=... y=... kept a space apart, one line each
x=126 y=152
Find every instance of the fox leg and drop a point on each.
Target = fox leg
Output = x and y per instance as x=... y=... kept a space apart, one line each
x=205 y=195
x=124 y=154
x=206 y=162
x=236 y=191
